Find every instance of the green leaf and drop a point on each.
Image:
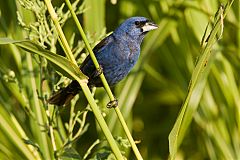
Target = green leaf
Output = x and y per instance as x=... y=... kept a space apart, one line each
x=70 y=154
x=12 y=135
x=61 y=64
x=196 y=87
x=6 y=40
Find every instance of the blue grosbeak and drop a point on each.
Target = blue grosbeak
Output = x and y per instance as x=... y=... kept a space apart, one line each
x=116 y=54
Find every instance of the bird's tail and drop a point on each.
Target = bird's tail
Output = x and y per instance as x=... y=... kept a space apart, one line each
x=64 y=95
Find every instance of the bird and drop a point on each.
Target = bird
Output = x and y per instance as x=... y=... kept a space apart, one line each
x=116 y=55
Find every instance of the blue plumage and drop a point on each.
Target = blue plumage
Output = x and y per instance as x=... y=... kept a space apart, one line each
x=116 y=54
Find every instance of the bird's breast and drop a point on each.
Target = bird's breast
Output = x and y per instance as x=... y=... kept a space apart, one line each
x=120 y=61
x=133 y=54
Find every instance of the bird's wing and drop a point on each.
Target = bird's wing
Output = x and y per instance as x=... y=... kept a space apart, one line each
x=103 y=43
x=97 y=48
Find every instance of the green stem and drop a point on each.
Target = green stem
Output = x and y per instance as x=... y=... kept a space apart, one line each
x=81 y=126
x=60 y=31
x=105 y=84
x=23 y=135
x=199 y=75
x=90 y=149
x=92 y=55
x=51 y=131
x=16 y=139
x=70 y=126
x=37 y=110
x=84 y=86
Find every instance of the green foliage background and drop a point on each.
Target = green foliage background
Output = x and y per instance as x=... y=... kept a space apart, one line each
x=150 y=97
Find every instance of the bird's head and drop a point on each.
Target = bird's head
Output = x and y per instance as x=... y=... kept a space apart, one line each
x=135 y=28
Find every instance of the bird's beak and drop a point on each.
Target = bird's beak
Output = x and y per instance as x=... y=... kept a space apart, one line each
x=149 y=26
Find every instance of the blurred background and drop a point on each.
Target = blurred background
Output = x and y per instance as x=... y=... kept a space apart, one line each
x=150 y=97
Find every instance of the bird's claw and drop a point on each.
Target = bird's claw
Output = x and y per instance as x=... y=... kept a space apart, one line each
x=112 y=104
x=98 y=71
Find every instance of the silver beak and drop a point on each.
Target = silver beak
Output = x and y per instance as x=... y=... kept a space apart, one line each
x=149 y=26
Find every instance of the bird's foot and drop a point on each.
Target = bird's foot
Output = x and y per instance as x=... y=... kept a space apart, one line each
x=98 y=71
x=112 y=104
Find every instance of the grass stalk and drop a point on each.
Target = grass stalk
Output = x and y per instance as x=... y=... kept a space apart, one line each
x=105 y=84
x=196 y=84
x=14 y=137
x=51 y=132
x=84 y=86
x=42 y=136
x=24 y=136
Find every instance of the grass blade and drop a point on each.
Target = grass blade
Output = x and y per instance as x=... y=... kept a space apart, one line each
x=196 y=87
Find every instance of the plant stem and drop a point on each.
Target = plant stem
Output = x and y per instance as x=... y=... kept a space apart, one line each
x=92 y=55
x=81 y=126
x=60 y=31
x=70 y=127
x=38 y=112
x=16 y=139
x=84 y=86
x=105 y=84
x=90 y=148
x=197 y=83
x=52 y=138
x=51 y=131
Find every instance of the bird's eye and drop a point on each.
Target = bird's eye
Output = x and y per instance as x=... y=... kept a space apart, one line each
x=137 y=23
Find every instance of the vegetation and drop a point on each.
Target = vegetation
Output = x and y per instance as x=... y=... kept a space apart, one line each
x=181 y=101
